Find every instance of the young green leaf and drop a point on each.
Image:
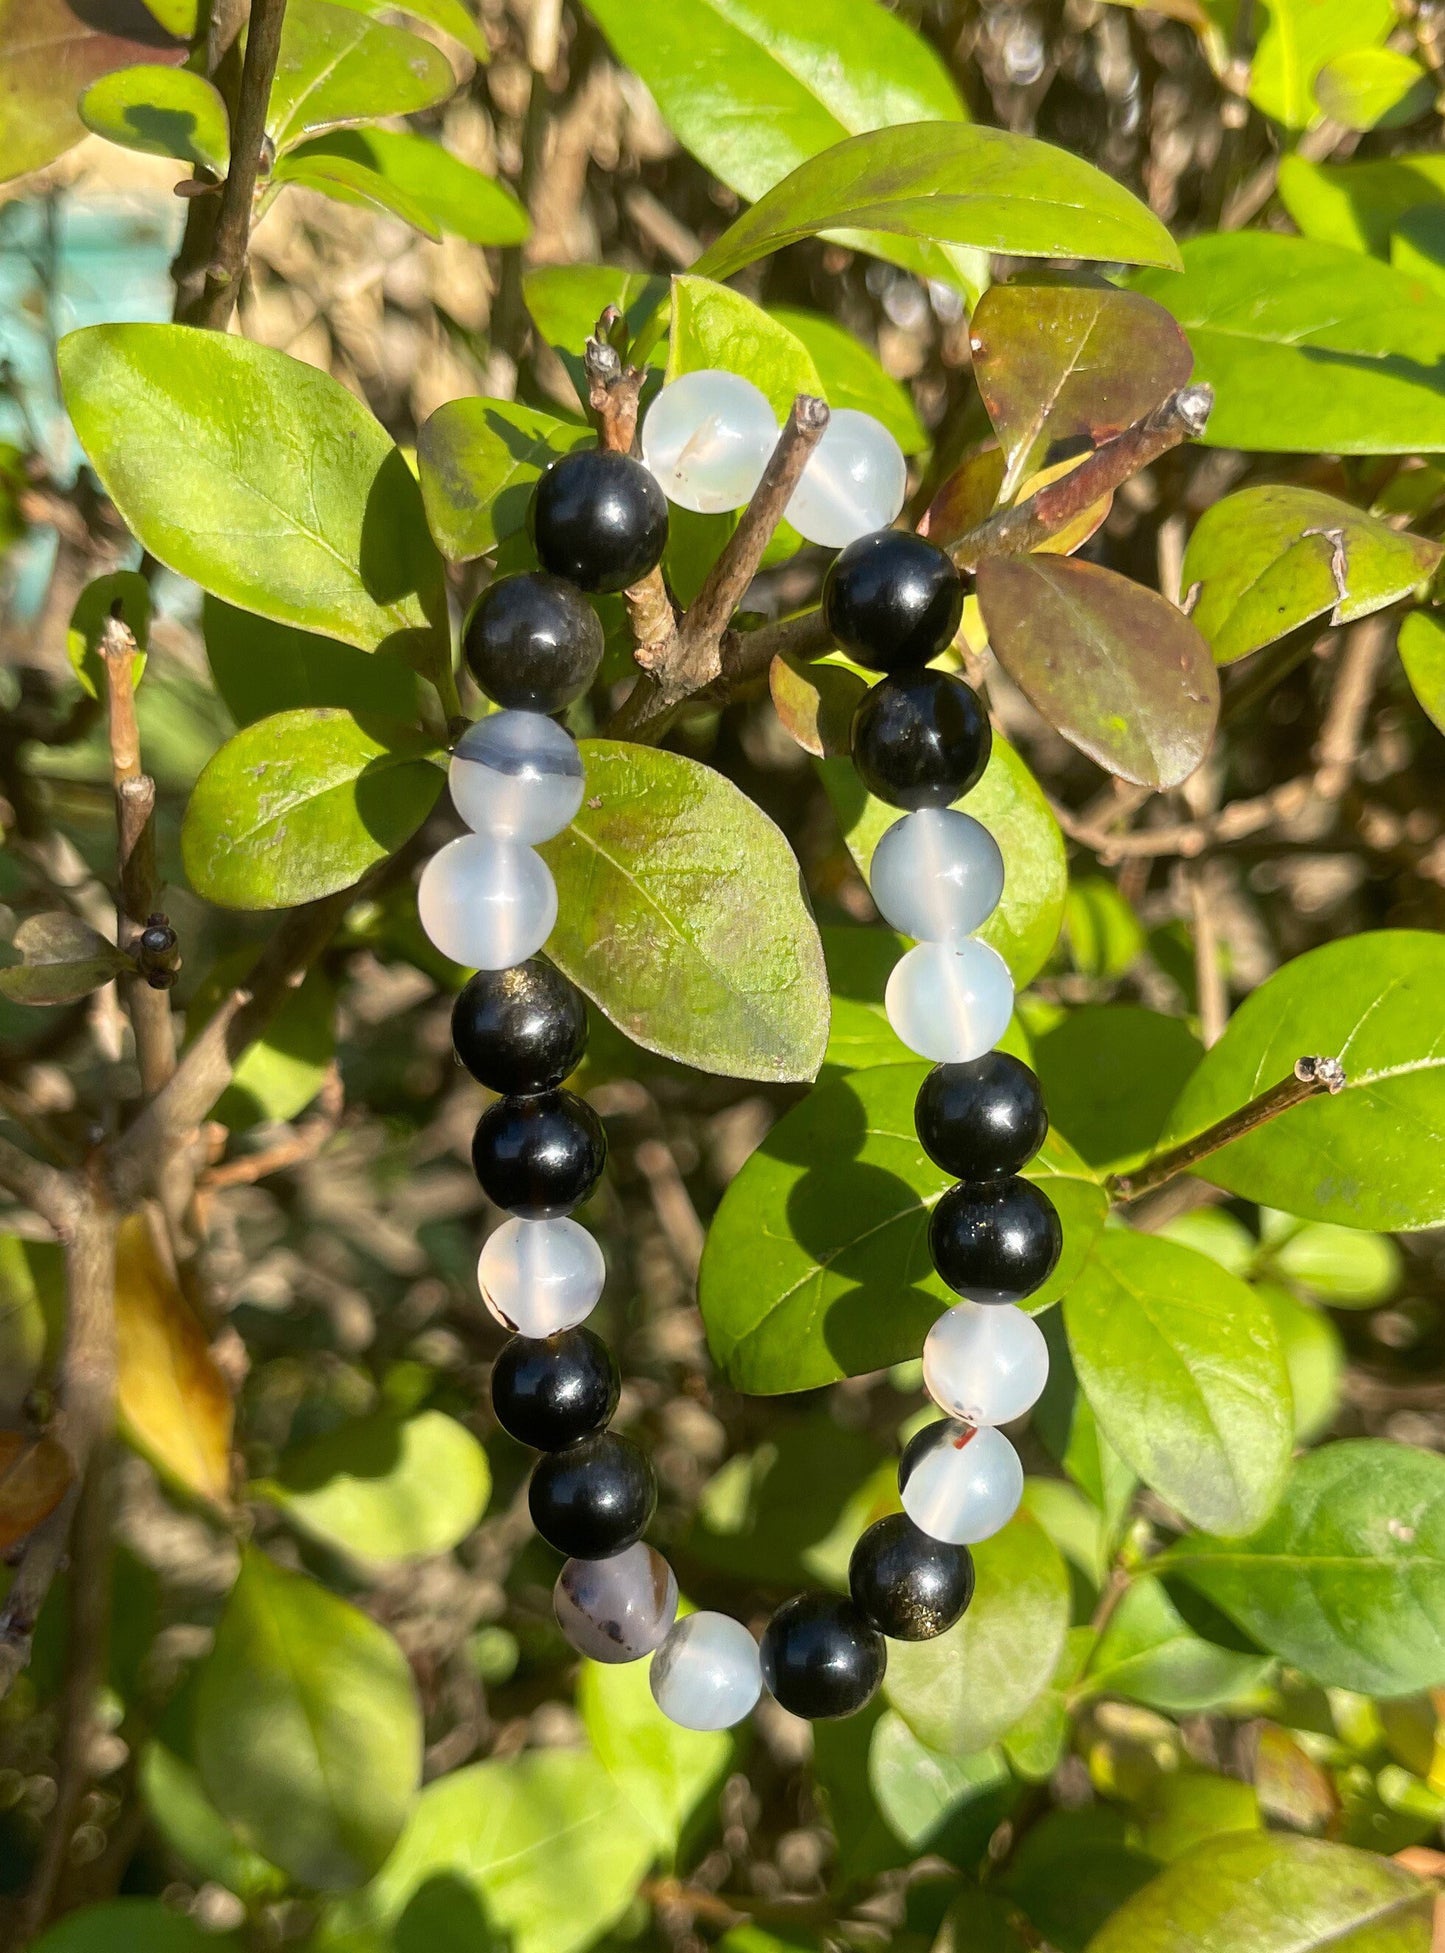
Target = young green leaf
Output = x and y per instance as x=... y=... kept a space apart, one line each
x=1270 y=558
x=684 y=955
x=934 y=1803
x=49 y=53
x=393 y=170
x=663 y=1770
x=162 y=112
x=302 y=804
x=1307 y=346
x=714 y=327
x=261 y=478
x=32 y=1317
x=1314 y=1355
x=308 y=1731
x=124 y=594
x=817 y=1264
x=1296 y=38
x=1346 y=1580
x=1148 y=1653
x=478 y=461
x=959 y=1693
x=1368 y=1156
x=1422 y=653
x=566 y=301
x=452 y=16
x=1182 y=1365
x=852 y=376
x=279 y=1075
x=1113 y=666
x=1359 y=205
x=61 y=959
x=1274 y=1893
x=336 y=66
x=1374 y=88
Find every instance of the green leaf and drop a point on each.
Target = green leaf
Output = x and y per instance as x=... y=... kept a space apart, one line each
x=279 y=1075
x=194 y=1829
x=538 y=1853
x=1111 y=1073
x=1071 y=1871
x=955 y=184
x=1102 y=931
x=756 y=87
x=1186 y=1809
x=1314 y=1356
x=162 y=112
x=336 y=66
x=1307 y=347
x=715 y=327
x=62 y=959
x=960 y=1692
x=1374 y=88
x=817 y=1265
x=302 y=804
x=1346 y=1580
x=1061 y=367
x=259 y=477
x=1368 y=1156
x=1274 y=1894
x=450 y=15
x=121 y=593
x=261 y=667
x=308 y=1731
x=931 y=1802
x=860 y=962
x=1359 y=205
x=417 y=180
x=1296 y=38
x=566 y=301
x=1148 y=1653
x=663 y=1770
x=49 y=53
x=1113 y=666
x=1270 y=558
x=1009 y=802
x=479 y=461
x=853 y=376
x=684 y=955
x=385 y=1488
x=1422 y=653
x=792 y=1510
x=1344 y=1266
x=1182 y=1365
x=32 y=1315
x=132 y=1926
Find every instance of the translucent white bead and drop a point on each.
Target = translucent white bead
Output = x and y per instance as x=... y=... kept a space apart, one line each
x=985 y=1365
x=516 y=776
x=541 y=1276
x=962 y=1485
x=937 y=875
x=707 y=1674
x=618 y=1609
x=950 y=1001
x=707 y=439
x=487 y=904
x=854 y=482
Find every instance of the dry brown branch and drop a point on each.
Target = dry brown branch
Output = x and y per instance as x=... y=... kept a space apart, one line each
x=1310 y=1077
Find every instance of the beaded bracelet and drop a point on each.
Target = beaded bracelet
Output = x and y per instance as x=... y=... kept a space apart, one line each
x=487 y=900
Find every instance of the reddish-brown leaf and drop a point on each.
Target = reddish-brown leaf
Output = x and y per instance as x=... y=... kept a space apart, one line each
x=971 y=494
x=49 y=53
x=1115 y=668
x=816 y=703
x=34 y=1476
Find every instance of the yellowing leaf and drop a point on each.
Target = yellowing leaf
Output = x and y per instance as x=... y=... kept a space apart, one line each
x=174 y=1403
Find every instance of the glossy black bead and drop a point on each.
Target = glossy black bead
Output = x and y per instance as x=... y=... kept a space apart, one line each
x=532 y=642
x=921 y=739
x=594 y=1499
x=540 y=1156
x=981 y=1121
x=520 y=1030
x=893 y=601
x=909 y=1586
x=995 y=1242
x=821 y=1658
x=551 y=1391
x=599 y=519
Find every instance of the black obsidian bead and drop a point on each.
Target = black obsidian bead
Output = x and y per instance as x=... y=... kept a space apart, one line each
x=921 y=739
x=909 y=1586
x=893 y=601
x=532 y=642
x=539 y=1157
x=995 y=1242
x=981 y=1121
x=520 y=1030
x=599 y=519
x=551 y=1391
x=821 y=1658
x=594 y=1499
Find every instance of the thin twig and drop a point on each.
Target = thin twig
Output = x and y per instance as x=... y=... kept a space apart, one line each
x=299 y=1146
x=1310 y=1077
x=45 y=1190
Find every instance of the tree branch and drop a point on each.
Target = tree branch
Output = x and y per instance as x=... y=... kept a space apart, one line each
x=1310 y=1077
x=45 y=1190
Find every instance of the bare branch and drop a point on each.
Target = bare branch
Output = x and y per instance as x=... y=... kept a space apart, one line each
x=45 y=1190
x=1310 y=1077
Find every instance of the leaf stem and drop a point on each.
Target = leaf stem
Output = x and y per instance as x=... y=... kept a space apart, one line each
x=1310 y=1077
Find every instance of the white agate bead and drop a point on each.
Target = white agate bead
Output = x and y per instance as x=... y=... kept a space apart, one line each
x=950 y=1002
x=707 y=438
x=854 y=482
x=487 y=904
x=516 y=776
x=937 y=875
x=619 y=1609
x=539 y=1277
x=985 y=1365
x=707 y=1674
x=960 y=1483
